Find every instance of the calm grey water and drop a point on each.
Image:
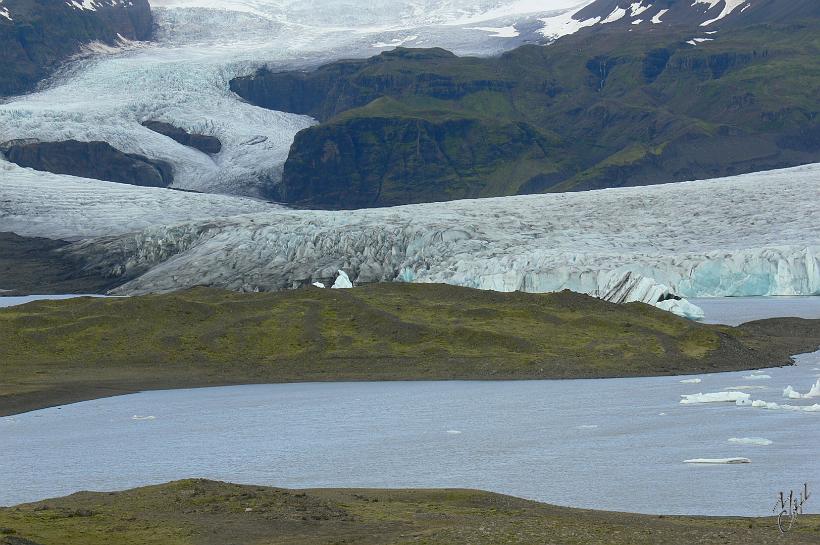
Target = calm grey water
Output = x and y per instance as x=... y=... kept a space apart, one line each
x=16 y=300
x=613 y=444
x=737 y=310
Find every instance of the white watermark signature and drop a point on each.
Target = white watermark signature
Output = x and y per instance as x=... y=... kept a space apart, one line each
x=788 y=508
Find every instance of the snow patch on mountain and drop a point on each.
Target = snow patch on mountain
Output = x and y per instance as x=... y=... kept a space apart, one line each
x=4 y=12
x=728 y=7
x=657 y=18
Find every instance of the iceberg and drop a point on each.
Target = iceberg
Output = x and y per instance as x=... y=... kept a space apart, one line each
x=714 y=397
x=342 y=281
x=691 y=381
x=626 y=244
x=757 y=377
x=791 y=393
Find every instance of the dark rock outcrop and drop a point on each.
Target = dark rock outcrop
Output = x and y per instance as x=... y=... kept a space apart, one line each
x=374 y=161
x=97 y=160
x=37 y=35
x=206 y=144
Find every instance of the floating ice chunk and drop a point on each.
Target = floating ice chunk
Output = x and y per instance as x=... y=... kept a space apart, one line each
x=587 y=427
x=318 y=285
x=454 y=432
x=791 y=393
x=691 y=381
x=718 y=461
x=138 y=417
x=750 y=441
x=757 y=377
x=713 y=397
x=661 y=414
x=738 y=388
x=342 y=281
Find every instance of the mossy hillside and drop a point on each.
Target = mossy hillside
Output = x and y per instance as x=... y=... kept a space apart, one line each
x=53 y=352
x=199 y=512
x=601 y=109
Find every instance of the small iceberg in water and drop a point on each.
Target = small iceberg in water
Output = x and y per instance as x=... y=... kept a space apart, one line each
x=138 y=417
x=791 y=393
x=757 y=377
x=691 y=381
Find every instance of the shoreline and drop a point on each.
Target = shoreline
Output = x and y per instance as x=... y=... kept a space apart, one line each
x=47 y=399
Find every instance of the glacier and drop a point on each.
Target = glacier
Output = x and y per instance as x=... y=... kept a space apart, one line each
x=41 y=204
x=754 y=234
x=182 y=77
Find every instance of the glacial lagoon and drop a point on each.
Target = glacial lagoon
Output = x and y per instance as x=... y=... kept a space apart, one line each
x=616 y=444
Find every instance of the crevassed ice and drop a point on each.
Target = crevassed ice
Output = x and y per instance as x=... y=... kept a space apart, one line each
x=753 y=234
x=41 y=204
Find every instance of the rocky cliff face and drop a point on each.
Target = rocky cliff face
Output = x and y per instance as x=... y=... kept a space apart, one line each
x=90 y=160
x=384 y=161
x=37 y=35
x=594 y=110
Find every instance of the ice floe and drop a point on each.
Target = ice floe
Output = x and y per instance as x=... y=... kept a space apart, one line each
x=138 y=417
x=691 y=381
x=772 y=406
x=713 y=397
x=760 y=441
x=757 y=377
x=718 y=461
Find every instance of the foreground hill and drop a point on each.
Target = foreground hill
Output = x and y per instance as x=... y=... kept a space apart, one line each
x=596 y=109
x=54 y=352
x=206 y=512
x=37 y=35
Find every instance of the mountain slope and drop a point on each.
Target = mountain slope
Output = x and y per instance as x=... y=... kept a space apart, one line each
x=596 y=109
x=692 y=14
x=36 y=35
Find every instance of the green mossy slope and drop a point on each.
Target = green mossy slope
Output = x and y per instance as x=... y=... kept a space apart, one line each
x=53 y=352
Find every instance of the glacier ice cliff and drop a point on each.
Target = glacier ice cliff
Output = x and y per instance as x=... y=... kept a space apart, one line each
x=754 y=234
